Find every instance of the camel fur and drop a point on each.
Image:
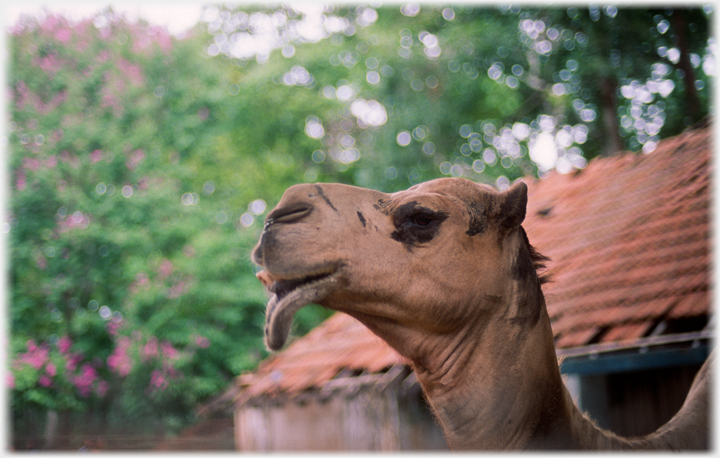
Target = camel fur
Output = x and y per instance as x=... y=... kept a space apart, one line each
x=444 y=273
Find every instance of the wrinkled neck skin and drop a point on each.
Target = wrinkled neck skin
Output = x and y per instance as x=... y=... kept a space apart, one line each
x=495 y=384
x=521 y=405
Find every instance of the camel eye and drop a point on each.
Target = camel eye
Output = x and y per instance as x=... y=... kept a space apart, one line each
x=416 y=224
x=422 y=219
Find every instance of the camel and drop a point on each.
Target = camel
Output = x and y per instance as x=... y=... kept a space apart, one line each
x=445 y=274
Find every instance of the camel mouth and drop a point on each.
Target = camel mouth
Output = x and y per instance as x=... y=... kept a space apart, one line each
x=289 y=296
x=282 y=288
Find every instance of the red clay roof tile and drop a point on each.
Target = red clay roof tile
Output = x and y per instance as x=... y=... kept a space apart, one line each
x=628 y=331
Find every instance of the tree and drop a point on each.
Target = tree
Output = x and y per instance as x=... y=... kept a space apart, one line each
x=490 y=93
x=131 y=291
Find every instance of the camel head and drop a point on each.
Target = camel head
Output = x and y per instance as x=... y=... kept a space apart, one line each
x=425 y=261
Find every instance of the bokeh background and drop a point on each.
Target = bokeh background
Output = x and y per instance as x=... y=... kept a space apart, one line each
x=141 y=163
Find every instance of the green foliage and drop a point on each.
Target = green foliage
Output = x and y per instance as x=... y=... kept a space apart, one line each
x=142 y=165
x=116 y=235
x=489 y=93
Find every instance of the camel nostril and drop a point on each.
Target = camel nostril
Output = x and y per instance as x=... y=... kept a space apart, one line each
x=289 y=214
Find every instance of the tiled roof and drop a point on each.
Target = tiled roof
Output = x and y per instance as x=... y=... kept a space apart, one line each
x=629 y=243
x=629 y=240
x=339 y=344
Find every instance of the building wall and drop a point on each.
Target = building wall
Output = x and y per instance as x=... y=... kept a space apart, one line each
x=627 y=403
x=366 y=420
x=289 y=427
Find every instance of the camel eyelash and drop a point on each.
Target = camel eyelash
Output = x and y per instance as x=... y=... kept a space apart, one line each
x=416 y=224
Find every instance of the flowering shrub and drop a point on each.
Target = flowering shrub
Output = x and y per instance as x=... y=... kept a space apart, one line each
x=150 y=371
x=55 y=377
x=146 y=354
x=121 y=297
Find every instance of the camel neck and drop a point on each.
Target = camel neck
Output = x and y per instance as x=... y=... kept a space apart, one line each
x=493 y=378
x=504 y=391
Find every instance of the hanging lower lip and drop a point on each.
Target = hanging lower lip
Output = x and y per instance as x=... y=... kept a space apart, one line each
x=282 y=288
x=291 y=295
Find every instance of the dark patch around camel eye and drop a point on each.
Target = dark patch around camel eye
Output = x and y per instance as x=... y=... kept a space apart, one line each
x=416 y=224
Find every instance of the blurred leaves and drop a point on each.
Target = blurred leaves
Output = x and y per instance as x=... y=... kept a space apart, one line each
x=115 y=228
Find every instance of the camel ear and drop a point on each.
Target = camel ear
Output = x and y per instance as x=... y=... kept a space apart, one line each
x=513 y=204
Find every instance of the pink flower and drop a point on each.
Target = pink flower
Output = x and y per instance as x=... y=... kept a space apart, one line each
x=135 y=158
x=31 y=163
x=119 y=361
x=202 y=342
x=96 y=156
x=177 y=290
x=35 y=356
x=164 y=41
x=112 y=326
x=165 y=269
x=50 y=64
x=50 y=369
x=141 y=41
x=113 y=102
x=75 y=221
x=131 y=71
x=88 y=372
x=20 y=181
x=84 y=381
x=169 y=370
x=63 y=35
x=56 y=101
x=168 y=351
x=141 y=279
x=44 y=381
x=72 y=361
x=150 y=350
x=39 y=358
x=10 y=380
x=157 y=380
x=64 y=344
x=49 y=24
x=51 y=162
x=143 y=183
